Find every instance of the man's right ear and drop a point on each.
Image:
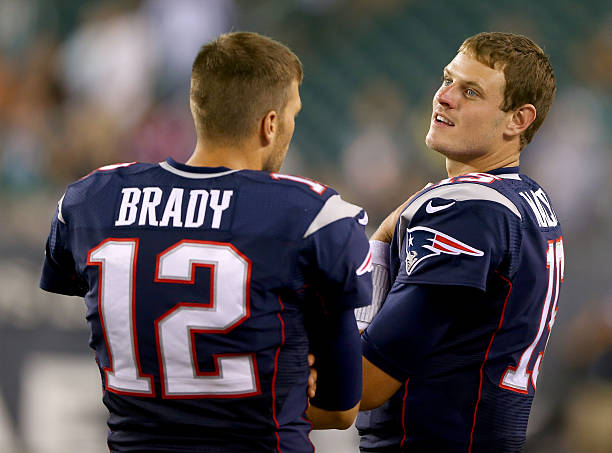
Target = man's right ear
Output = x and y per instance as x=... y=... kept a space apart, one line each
x=521 y=119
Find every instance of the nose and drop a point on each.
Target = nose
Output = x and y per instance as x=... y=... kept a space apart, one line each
x=446 y=96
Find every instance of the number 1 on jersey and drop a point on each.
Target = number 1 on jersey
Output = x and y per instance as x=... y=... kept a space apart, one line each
x=517 y=378
x=116 y=259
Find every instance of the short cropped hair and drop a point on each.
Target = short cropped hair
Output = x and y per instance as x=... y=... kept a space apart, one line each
x=529 y=75
x=235 y=80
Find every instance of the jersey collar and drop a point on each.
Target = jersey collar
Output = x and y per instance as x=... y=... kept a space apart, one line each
x=504 y=170
x=189 y=171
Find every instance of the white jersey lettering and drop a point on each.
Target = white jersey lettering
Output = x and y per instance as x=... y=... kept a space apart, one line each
x=219 y=208
x=541 y=207
x=173 y=209
x=147 y=212
x=129 y=202
x=181 y=209
x=191 y=221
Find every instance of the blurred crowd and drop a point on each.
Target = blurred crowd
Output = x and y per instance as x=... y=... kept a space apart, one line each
x=86 y=83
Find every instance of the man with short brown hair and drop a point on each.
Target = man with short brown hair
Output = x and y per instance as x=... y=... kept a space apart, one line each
x=235 y=80
x=207 y=283
x=470 y=281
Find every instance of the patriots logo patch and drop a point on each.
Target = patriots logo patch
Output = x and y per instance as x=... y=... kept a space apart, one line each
x=423 y=243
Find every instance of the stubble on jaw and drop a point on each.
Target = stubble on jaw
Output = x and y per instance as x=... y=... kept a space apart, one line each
x=471 y=150
x=276 y=158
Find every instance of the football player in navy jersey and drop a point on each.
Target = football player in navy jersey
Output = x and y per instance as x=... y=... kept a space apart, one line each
x=470 y=280
x=207 y=283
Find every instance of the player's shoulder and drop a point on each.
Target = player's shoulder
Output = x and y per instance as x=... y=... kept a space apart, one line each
x=99 y=180
x=107 y=172
x=319 y=204
x=296 y=186
x=118 y=169
x=295 y=190
x=494 y=193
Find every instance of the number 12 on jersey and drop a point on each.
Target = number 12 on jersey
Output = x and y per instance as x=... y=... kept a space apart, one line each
x=235 y=375
x=517 y=378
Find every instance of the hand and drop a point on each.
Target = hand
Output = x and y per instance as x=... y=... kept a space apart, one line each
x=312 y=379
x=385 y=231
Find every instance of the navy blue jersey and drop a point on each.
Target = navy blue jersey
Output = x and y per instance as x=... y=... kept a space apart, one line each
x=476 y=265
x=199 y=285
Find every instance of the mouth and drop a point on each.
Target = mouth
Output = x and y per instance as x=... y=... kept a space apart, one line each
x=442 y=120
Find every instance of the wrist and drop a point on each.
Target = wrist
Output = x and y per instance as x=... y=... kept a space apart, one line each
x=380 y=252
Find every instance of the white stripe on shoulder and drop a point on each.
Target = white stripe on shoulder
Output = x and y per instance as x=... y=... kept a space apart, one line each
x=188 y=174
x=59 y=210
x=335 y=208
x=461 y=192
x=458 y=192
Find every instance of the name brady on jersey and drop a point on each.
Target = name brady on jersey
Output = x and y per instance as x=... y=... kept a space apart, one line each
x=146 y=205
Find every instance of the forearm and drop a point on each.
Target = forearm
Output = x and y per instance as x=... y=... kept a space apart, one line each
x=337 y=348
x=380 y=283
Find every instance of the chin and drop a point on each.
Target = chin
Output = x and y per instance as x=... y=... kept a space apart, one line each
x=434 y=145
x=431 y=142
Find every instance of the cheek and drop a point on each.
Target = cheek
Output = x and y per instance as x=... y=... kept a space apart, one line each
x=290 y=127
x=491 y=127
x=483 y=119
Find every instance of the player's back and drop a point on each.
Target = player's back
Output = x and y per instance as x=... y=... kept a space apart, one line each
x=489 y=247
x=194 y=280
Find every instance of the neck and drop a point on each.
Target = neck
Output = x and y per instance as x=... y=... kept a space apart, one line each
x=239 y=157
x=455 y=168
x=503 y=157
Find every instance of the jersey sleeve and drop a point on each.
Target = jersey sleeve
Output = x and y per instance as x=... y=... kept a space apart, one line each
x=413 y=321
x=336 y=260
x=450 y=242
x=338 y=265
x=337 y=351
x=58 y=272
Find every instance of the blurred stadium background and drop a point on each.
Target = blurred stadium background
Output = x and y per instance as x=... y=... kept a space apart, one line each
x=85 y=83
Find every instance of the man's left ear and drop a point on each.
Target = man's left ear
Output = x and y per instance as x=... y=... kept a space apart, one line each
x=268 y=127
x=521 y=119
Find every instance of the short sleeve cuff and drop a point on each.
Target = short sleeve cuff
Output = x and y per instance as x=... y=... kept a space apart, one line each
x=374 y=355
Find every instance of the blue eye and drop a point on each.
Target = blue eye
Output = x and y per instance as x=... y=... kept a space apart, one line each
x=446 y=81
x=470 y=92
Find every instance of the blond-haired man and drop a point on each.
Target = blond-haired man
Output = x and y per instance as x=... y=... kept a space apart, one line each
x=474 y=268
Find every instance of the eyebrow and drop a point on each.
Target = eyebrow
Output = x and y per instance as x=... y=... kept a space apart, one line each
x=470 y=83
